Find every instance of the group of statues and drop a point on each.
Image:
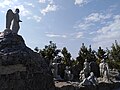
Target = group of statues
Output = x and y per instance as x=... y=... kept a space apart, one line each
x=87 y=76
x=68 y=76
x=12 y=22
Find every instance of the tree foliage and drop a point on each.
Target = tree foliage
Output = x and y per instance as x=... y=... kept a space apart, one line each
x=112 y=55
x=49 y=52
x=85 y=53
x=66 y=57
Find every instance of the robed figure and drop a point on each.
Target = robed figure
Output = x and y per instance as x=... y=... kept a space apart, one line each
x=10 y=16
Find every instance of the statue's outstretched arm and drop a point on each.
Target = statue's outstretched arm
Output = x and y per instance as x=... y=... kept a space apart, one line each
x=20 y=21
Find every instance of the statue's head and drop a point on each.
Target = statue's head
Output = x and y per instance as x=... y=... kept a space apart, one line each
x=86 y=60
x=17 y=10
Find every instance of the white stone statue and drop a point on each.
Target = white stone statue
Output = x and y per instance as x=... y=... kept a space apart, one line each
x=10 y=16
x=82 y=75
x=68 y=75
x=93 y=79
x=16 y=20
x=86 y=68
x=85 y=82
x=104 y=71
x=55 y=70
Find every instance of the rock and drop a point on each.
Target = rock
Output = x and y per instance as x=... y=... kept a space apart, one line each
x=75 y=86
x=21 y=68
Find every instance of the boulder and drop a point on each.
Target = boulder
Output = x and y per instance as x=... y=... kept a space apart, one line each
x=20 y=67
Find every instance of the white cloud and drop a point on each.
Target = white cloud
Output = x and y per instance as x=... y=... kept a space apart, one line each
x=23 y=7
x=79 y=35
x=91 y=20
x=109 y=33
x=95 y=17
x=50 y=8
x=5 y=3
x=15 y=4
x=114 y=26
x=92 y=32
x=34 y=17
x=23 y=10
x=29 y=4
x=42 y=1
x=81 y=2
x=85 y=26
x=55 y=35
x=37 y=18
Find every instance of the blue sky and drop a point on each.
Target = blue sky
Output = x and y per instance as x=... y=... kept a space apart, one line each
x=68 y=23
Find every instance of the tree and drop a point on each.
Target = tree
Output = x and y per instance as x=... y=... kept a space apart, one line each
x=115 y=51
x=101 y=54
x=49 y=52
x=66 y=57
x=114 y=56
x=85 y=53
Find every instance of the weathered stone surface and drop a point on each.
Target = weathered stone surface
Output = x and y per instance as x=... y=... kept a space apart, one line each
x=75 y=86
x=21 y=68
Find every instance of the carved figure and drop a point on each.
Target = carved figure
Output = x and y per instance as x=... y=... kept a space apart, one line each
x=86 y=68
x=93 y=79
x=10 y=16
x=82 y=75
x=104 y=70
x=68 y=75
x=16 y=20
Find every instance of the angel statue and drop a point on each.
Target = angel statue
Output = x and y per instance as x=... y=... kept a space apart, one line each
x=10 y=16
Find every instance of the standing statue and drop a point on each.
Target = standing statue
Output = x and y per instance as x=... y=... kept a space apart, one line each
x=82 y=75
x=86 y=68
x=104 y=71
x=10 y=16
x=55 y=65
x=16 y=20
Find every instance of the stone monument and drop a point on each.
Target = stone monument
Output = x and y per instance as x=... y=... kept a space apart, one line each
x=20 y=67
x=85 y=82
x=82 y=75
x=10 y=16
x=86 y=68
x=68 y=75
x=93 y=79
x=55 y=69
x=104 y=71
